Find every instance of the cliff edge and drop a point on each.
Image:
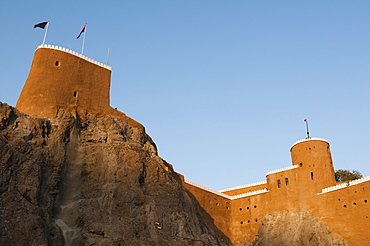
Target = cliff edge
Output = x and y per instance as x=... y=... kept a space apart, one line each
x=90 y=181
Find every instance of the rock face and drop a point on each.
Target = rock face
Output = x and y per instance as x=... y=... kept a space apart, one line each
x=87 y=180
x=294 y=229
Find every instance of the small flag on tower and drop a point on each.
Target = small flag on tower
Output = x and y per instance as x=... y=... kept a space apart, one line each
x=82 y=31
x=305 y=120
x=41 y=25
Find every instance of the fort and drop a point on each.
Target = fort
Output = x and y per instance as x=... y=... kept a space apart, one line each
x=60 y=79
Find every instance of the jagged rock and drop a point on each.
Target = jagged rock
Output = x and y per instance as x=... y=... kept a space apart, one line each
x=90 y=181
x=294 y=229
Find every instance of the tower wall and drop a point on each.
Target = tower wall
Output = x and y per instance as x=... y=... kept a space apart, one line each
x=316 y=170
x=63 y=80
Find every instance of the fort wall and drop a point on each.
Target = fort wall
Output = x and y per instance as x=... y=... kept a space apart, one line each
x=346 y=211
x=308 y=184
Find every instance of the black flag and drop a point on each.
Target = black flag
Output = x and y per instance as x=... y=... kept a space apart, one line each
x=41 y=25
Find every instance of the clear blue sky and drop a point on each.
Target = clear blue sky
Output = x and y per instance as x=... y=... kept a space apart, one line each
x=222 y=87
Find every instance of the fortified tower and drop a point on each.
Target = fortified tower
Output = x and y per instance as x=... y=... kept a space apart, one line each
x=313 y=157
x=61 y=79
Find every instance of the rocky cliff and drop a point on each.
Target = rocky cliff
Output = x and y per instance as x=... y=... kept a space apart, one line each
x=88 y=180
x=97 y=180
x=294 y=229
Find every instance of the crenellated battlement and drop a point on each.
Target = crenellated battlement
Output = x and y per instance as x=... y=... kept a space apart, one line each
x=55 y=47
x=252 y=193
x=282 y=169
x=308 y=139
x=206 y=189
x=345 y=185
x=244 y=186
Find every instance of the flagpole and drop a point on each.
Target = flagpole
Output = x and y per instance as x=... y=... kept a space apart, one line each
x=108 y=56
x=308 y=133
x=46 y=31
x=83 y=41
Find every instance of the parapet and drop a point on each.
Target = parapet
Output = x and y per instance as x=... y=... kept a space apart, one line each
x=282 y=169
x=251 y=193
x=345 y=184
x=244 y=186
x=308 y=139
x=50 y=46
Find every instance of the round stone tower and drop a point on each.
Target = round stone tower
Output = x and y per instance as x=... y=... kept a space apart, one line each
x=63 y=79
x=313 y=157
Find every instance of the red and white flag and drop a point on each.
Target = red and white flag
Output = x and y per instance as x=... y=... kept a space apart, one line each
x=82 y=31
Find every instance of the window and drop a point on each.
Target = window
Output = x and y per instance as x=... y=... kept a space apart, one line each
x=75 y=93
x=286 y=181
x=311 y=175
x=278 y=183
x=57 y=63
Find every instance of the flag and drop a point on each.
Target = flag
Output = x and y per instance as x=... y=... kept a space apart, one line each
x=41 y=25
x=305 y=120
x=82 y=31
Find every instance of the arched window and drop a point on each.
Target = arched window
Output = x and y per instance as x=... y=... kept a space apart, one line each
x=311 y=175
x=286 y=181
x=279 y=183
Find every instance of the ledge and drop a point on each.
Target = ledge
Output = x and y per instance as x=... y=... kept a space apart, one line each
x=308 y=139
x=252 y=193
x=49 y=46
x=282 y=169
x=207 y=189
x=243 y=186
x=344 y=185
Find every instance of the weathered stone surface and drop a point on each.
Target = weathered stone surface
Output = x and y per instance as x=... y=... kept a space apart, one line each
x=294 y=229
x=90 y=181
